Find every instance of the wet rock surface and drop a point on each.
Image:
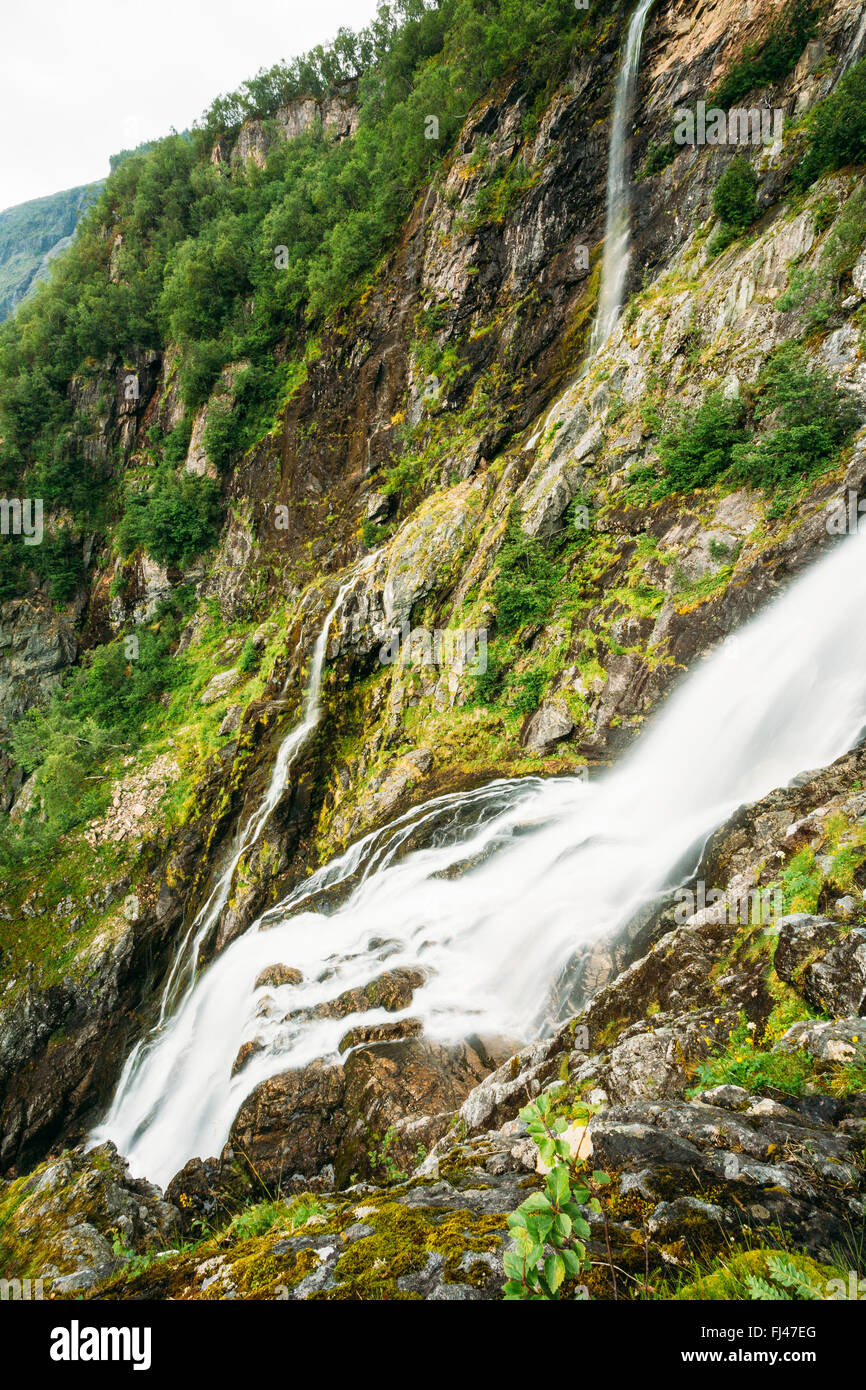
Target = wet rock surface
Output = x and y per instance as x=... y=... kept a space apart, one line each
x=397 y=1094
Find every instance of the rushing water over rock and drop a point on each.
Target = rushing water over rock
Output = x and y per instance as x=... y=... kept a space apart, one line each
x=181 y=977
x=617 y=233
x=488 y=893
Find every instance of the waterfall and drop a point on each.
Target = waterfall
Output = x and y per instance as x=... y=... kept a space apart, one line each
x=490 y=892
x=617 y=232
x=181 y=976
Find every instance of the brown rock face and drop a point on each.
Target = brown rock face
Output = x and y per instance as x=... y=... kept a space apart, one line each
x=408 y=1089
x=277 y=975
x=381 y=1032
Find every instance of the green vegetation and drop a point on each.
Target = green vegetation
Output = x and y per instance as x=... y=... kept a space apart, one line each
x=807 y=420
x=700 y=446
x=753 y=1064
x=260 y=1219
x=760 y=1275
x=238 y=266
x=658 y=157
x=735 y=202
x=99 y=713
x=249 y=659
x=836 y=129
x=173 y=520
x=772 y=60
x=552 y=1219
x=814 y=419
x=525 y=583
x=813 y=294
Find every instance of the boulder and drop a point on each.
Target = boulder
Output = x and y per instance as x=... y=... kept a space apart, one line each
x=232 y=721
x=800 y=938
x=219 y=685
x=836 y=982
x=550 y=723
x=277 y=975
x=341 y=1114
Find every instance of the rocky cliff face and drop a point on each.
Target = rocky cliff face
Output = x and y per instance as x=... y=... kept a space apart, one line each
x=449 y=405
x=31 y=235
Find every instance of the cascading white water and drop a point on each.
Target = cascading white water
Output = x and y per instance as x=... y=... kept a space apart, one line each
x=529 y=871
x=181 y=976
x=617 y=232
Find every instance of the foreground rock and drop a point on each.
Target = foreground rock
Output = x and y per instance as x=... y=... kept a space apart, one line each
x=76 y=1219
x=385 y=1100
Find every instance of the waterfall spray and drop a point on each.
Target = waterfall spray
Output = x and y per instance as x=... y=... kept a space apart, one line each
x=617 y=234
x=489 y=893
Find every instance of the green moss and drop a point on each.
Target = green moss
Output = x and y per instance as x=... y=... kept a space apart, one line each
x=403 y=1240
x=726 y=1280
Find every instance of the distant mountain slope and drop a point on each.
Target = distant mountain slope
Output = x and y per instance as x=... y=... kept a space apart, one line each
x=31 y=234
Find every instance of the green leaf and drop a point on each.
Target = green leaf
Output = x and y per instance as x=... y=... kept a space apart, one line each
x=540 y=1226
x=558 y=1185
x=602 y=1179
x=537 y=1202
x=573 y=1261
x=562 y=1225
x=554 y=1271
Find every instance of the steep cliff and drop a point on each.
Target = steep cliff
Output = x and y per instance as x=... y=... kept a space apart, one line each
x=407 y=431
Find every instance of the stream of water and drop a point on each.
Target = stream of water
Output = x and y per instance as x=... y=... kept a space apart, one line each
x=617 y=233
x=489 y=892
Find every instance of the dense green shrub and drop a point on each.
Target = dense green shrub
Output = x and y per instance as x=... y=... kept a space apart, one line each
x=489 y=683
x=525 y=584
x=173 y=520
x=735 y=196
x=700 y=445
x=172 y=447
x=813 y=420
x=98 y=712
x=836 y=129
x=249 y=658
x=809 y=420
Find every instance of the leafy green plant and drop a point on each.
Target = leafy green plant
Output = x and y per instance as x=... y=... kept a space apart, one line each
x=174 y=520
x=258 y=1220
x=742 y=1064
x=814 y=419
x=734 y=199
x=785 y=1280
x=374 y=534
x=700 y=445
x=836 y=129
x=812 y=294
x=527 y=690
x=380 y=1156
x=249 y=658
x=525 y=584
x=549 y=1229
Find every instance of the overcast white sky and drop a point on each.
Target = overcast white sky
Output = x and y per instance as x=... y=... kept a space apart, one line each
x=82 y=79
